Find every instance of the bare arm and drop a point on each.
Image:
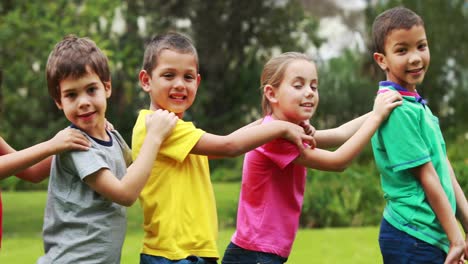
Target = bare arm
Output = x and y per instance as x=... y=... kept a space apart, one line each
x=334 y=137
x=248 y=138
x=462 y=204
x=427 y=176
x=254 y=123
x=125 y=191
x=33 y=163
x=339 y=159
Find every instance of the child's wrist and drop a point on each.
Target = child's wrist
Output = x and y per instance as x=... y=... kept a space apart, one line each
x=375 y=117
x=457 y=241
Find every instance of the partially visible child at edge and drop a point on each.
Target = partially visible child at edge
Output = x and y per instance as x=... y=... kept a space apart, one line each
x=180 y=220
x=419 y=185
x=85 y=217
x=274 y=175
x=33 y=163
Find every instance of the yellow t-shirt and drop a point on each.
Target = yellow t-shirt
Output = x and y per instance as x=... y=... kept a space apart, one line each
x=178 y=201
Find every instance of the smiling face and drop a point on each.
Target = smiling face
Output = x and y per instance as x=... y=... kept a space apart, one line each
x=297 y=97
x=173 y=83
x=84 y=103
x=406 y=57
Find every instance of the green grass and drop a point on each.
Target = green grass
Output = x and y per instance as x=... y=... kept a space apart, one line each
x=23 y=214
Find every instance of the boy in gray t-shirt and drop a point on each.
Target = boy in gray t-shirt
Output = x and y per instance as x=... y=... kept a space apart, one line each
x=85 y=219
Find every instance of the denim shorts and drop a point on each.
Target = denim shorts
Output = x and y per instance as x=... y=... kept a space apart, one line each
x=397 y=247
x=237 y=255
x=148 y=259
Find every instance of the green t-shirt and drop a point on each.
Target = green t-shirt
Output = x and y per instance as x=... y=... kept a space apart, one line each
x=409 y=138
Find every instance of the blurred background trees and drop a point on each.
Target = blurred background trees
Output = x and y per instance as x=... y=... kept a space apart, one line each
x=234 y=39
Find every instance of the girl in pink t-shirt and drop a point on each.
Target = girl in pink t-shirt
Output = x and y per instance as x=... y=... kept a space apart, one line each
x=274 y=175
x=33 y=164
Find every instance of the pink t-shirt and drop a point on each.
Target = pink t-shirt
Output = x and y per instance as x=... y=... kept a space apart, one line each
x=271 y=198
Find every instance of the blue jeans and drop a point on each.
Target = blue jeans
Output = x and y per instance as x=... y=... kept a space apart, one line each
x=148 y=259
x=397 y=247
x=237 y=255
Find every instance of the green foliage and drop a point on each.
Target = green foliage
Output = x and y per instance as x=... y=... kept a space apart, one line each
x=345 y=91
x=227 y=170
x=350 y=198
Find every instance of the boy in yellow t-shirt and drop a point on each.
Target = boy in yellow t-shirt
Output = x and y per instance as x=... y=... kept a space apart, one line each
x=180 y=220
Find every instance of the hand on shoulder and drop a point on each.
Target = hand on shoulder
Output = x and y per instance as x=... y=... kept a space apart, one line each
x=384 y=103
x=161 y=123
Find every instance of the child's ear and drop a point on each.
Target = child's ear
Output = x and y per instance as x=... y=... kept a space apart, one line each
x=381 y=60
x=270 y=94
x=108 y=88
x=58 y=104
x=145 y=79
x=198 y=80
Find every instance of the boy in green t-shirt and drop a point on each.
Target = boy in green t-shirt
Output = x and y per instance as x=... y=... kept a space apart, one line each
x=422 y=193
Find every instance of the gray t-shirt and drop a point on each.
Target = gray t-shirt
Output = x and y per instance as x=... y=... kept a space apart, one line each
x=80 y=225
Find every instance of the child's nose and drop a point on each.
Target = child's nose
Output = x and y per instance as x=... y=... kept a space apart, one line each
x=179 y=83
x=415 y=57
x=83 y=101
x=309 y=92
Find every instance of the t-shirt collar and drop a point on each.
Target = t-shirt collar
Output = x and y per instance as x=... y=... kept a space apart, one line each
x=388 y=85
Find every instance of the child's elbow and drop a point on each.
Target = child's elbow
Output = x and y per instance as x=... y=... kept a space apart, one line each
x=126 y=199
x=340 y=166
x=340 y=169
x=34 y=178
x=127 y=202
x=232 y=150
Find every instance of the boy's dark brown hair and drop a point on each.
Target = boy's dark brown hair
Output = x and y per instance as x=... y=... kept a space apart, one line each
x=74 y=57
x=394 y=18
x=170 y=41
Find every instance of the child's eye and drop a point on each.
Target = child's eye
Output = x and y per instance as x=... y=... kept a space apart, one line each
x=70 y=95
x=168 y=75
x=422 y=46
x=189 y=77
x=314 y=88
x=401 y=50
x=92 y=89
x=297 y=85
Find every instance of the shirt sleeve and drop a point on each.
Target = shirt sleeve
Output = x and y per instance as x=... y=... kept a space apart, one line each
x=280 y=151
x=126 y=151
x=402 y=140
x=176 y=146
x=85 y=163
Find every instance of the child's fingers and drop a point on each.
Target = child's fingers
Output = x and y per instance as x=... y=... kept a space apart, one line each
x=109 y=126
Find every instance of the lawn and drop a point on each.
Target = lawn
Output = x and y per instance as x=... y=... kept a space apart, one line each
x=23 y=221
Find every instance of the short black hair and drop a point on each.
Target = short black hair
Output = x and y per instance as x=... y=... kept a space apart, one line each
x=391 y=19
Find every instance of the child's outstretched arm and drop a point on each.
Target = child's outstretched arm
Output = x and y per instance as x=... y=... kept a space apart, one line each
x=33 y=163
x=125 y=191
x=462 y=205
x=339 y=159
x=248 y=138
x=335 y=137
x=427 y=176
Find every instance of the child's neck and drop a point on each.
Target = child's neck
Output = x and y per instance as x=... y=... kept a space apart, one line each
x=280 y=117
